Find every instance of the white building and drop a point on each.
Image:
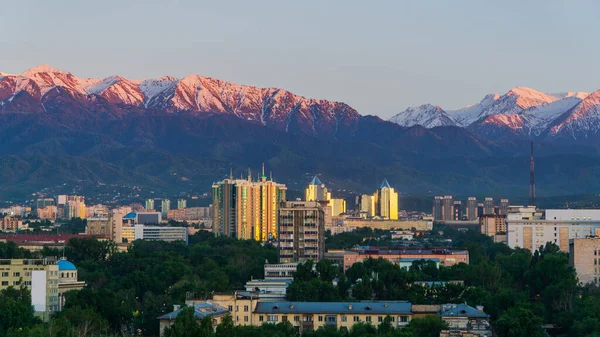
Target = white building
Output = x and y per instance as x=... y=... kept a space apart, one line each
x=161 y=233
x=532 y=230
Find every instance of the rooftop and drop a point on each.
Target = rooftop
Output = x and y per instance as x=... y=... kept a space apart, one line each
x=461 y=310
x=65 y=265
x=201 y=310
x=285 y=307
x=315 y=181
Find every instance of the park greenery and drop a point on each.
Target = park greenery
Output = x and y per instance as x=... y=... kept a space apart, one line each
x=127 y=291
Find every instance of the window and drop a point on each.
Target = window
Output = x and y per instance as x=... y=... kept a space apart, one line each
x=330 y=318
x=261 y=318
x=393 y=318
x=284 y=318
x=344 y=318
x=403 y=319
x=320 y=318
x=4 y=283
x=17 y=274
x=245 y=318
x=28 y=283
x=380 y=319
x=368 y=319
x=356 y=319
x=296 y=318
x=230 y=308
x=4 y=274
x=245 y=308
x=16 y=283
x=272 y=318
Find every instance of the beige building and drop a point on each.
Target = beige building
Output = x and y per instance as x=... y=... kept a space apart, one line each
x=247 y=209
x=99 y=226
x=41 y=276
x=493 y=225
x=316 y=191
x=11 y=224
x=338 y=206
x=67 y=280
x=48 y=212
x=302 y=231
x=368 y=205
x=584 y=256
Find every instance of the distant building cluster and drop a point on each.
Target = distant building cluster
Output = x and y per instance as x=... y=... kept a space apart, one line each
x=445 y=208
x=382 y=204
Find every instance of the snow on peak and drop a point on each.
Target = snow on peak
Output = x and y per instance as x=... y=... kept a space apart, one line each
x=471 y=113
x=43 y=68
x=527 y=97
x=426 y=115
x=578 y=94
x=581 y=121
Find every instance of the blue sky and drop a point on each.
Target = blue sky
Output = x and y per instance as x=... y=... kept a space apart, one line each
x=378 y=56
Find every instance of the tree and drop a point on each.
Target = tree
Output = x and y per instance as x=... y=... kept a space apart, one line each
x=226 y=327
x=519 y=321
x=428 y=326
x=185 y=325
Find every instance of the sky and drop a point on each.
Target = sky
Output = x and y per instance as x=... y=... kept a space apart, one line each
x=378 y=56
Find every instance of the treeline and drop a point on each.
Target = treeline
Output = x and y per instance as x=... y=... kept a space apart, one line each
x=127 y=291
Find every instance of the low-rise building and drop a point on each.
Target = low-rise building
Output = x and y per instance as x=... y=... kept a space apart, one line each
x=160 y=233
x=98 y=226
x=36 y=242
x=11 y=224
x=494 y=226
x=280 y=270
x=201 y=311
x=41 y=276
x=462 y=317
x=445 y=257
x=67 y=280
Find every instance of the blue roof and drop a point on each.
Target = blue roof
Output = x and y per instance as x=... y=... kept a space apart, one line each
x=131 y=215
x=461 y=310
x=385 y=183
x=315 y=181
x=201 y=310
x=65 y=265
x=349 y=308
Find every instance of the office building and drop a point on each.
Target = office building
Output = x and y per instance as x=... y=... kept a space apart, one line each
x=471 y=209
x=165 y=206
x=584 y=257
x=99 y=226
x=43 y=203
x=160 y=233
x=142 y=218
x=41 y=276
x=149 y=205
x=388 y=201
x=531 y=229
x=247 y=209
x=302 y=231
x=338 y=206
x=488 y=206
x=181 y=203
x=316 y=191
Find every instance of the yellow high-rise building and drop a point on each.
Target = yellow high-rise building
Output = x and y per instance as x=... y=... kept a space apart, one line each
x=247 y=209
x=338 y=206
x=388 y=201
x=316 y=191
x=368 y=205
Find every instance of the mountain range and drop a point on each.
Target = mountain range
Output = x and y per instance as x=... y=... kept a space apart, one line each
x=521 y=113
x=178 y=135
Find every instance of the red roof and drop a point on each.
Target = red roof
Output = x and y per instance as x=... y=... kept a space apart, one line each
x=44 y=238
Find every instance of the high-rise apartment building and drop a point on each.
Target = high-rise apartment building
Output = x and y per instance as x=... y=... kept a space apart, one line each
x=165 y=206
x=503 y=207
x=447 y=209
x=584 y=257
x=43 y=203
x=338 y=206
x=149 y=205
x=247 y=209
x=480 y=209
x=181 y=204
x=368 y=205
x=488 y=206
x=71 y=206
x=438 y=208
x=458 y=211
x=302 y=231
x=388 y=201
x=471 y=209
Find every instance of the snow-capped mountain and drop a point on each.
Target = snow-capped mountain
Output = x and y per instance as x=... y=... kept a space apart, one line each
x=520 y=113
x=48 y=89
x=426 y=115
x=582 y=122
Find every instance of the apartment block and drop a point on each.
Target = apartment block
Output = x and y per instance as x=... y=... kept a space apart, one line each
x=301 y=231
x=584 y=257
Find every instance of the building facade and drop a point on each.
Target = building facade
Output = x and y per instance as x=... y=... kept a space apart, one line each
x=149 y=206
x=584 y=257
x=99 y=226
x=445 y=257
x=338 y=206
x=302 y=231
x=181 y=203
x=160 y=233
x=471 y=209
x=388 y=201
x=247 y=209
x=492 y=224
